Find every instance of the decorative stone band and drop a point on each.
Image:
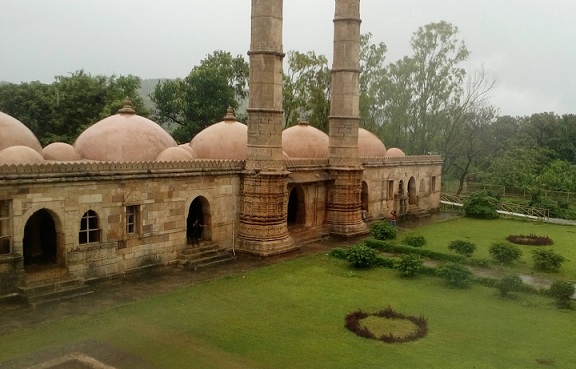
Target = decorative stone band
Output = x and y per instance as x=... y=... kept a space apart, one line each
x=347 y=19
x=267 y=52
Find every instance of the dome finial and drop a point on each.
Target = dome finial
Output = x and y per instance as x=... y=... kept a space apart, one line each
x=230 y=115
x=127 y=108
x=303 y=122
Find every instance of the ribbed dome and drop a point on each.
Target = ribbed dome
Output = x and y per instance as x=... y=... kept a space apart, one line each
x=60 y=151
x=305 y=141
x=369 y=145
x=175 y=154
x=15 y=133
x=123 y=137
x=223 y=140
x=20 y=155
x=395 y=152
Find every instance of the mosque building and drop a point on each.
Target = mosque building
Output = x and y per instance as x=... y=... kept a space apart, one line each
x=124 y=196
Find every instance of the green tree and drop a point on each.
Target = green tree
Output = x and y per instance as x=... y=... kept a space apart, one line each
x=410 y=265
x=509 y=283
x=201 y=99
x=306 y=93
x=504 y=253
x=373 y=81
x=465 y=248
x=562 y=291
x=480 y=205
x=456 y=275
x=547 y=260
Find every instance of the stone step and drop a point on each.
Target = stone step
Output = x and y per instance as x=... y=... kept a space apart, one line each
x=53 y=292
x=204 y=255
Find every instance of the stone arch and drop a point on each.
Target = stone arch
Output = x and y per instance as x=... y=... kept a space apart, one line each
x=199 y=209
x=43 y=242
x=412 y=194
x=296 y=206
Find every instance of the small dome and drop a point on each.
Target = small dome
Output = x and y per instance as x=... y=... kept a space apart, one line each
x=60 y=151
x=305 y=141
x=20 y=155
x=395 y=153
x=175 y=154
x=187 y=147
x=123 y=137
x=223 y=140
x=369 y=145
x=15 y=133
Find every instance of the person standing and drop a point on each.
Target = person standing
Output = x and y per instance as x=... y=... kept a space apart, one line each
x=196 y=231
x=394 y=216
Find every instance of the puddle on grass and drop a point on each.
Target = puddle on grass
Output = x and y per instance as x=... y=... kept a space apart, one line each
x=540 y=283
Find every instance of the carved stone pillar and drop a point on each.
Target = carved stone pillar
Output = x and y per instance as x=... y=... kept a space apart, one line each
x=263 y=207
x=344 y=216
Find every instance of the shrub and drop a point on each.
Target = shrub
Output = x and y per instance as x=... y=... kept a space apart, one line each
x=410 y=265
x=361 y=257
x=414 y=240
x=456 y=275
x=505 y=253
x=562 y=292
x=383 y=231
x=339 y=253
x=480 y=205
x=510 y=283
x=547 y=260
x=531 y=240
x=385 y=262
x=465 y=248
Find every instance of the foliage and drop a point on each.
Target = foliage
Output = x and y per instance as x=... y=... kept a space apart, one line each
x=456 y=275
x=410 y=265
x=306 y=92
x=201 y=99
x=547 y=260
x=480 y=205
x=383 y=231
x=505 y=253
x=414 y=240
x=60 y=111
x=353 y=324
x=562 y=292
x=465 y=248
x=373 y=79
x=509 y=283
x=339 y=253
x=530 y=239
x=361 y=256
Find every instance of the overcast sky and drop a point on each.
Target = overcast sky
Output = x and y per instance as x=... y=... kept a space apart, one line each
x=527 y=46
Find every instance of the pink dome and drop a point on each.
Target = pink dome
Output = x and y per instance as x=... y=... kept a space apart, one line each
x=60 y=151
x=187 y=147
x=20 y=155
x=175 y=154
x=369 y=145
x=305 y=141
x=395 y=153
x=15 y=133
x=123 y=137
x=224 y=140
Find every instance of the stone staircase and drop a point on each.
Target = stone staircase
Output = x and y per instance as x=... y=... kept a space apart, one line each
x=51 y=285
x=303 y=235
x=204 y=255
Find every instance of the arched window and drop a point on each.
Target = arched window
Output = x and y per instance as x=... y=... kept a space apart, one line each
x=89 y=230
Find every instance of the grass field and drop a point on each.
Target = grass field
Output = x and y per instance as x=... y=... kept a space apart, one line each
x=291 y=315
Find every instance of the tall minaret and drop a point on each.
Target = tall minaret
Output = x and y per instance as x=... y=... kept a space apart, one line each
x=263 y=207
x=344 y=215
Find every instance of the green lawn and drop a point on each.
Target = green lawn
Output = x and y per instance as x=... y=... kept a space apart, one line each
x=291 y=315
x=483 y=233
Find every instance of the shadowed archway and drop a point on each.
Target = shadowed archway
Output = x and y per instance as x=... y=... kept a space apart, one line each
x=199 y=209
x=296 y=207
x=40 y=242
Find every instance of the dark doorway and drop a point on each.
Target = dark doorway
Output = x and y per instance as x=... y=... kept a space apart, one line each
x=40 y=239
x=364 y=196
x=412 y=195
x=296 y=207
x=199 y=210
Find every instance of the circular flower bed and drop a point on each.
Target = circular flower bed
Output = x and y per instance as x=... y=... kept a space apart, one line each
x=354 y=324
x=530 y=240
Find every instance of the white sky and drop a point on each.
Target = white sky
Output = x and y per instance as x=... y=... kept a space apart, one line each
x=528 y=46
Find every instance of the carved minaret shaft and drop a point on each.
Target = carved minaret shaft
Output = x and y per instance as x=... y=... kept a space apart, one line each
x=344 y=215
x=263 y=227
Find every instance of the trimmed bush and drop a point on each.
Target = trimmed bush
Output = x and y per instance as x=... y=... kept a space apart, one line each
x=339 y=253
x=414 y=240
x=505 y=253
x=410 y=265
x=456 y=275
x=510 y=283
x=547 y=260
x=562 y=292
x=383 y=231
x=464 y=248
x=353 y=324
x=361 y=257
x=531 y=240
x=481 y=205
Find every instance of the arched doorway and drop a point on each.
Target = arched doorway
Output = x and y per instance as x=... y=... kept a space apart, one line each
x=199 y=209
x=364 y=196
x=40 y=243
x=296 y=207
x=412 y=195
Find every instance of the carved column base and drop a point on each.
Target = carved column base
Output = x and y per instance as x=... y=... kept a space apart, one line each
x=344 y=216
